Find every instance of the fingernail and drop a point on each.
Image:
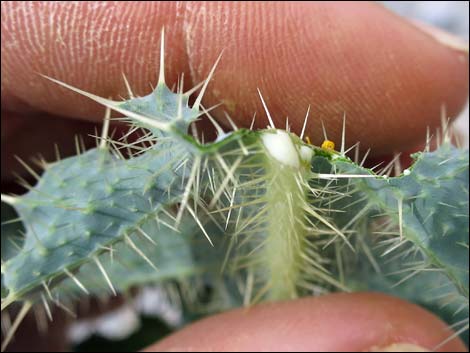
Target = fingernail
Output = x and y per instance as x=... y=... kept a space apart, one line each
x=449 y=40
x=400 y=347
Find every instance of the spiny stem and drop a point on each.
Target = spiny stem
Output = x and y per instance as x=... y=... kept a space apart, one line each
x=286 y=233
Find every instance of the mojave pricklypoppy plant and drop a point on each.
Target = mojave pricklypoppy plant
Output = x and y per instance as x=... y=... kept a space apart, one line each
x=255 y=215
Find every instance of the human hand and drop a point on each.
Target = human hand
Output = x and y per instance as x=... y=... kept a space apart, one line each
x=389 y=77
x=342 y=322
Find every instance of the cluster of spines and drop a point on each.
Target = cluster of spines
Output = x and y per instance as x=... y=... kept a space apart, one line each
x=108 y=152
x=252 y=246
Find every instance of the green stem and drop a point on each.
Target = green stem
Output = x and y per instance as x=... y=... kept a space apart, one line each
x=286 y=232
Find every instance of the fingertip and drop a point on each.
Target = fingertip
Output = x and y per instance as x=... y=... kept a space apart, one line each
x=88 y=45
x=387 y=76
x=390 y=77
x=338 y=322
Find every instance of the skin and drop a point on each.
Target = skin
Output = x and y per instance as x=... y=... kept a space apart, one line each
x=387 y=75
x=338 y=322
